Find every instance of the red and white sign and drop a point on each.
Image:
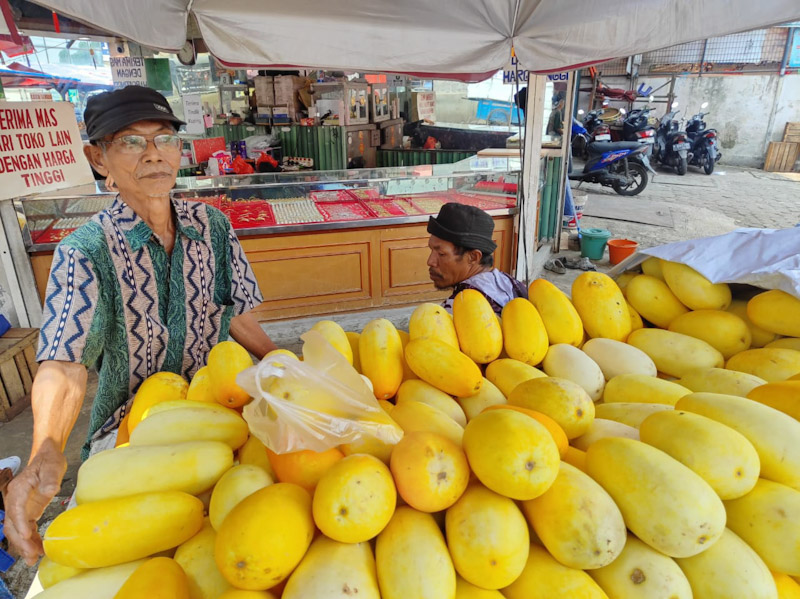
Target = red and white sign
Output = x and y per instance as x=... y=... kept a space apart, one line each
x=40 y=148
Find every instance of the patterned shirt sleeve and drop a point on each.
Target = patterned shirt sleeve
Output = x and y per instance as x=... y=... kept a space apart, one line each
x=69 y=309
x=245 y=293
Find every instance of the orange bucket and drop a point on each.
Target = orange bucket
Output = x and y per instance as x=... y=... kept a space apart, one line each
x=619 y=249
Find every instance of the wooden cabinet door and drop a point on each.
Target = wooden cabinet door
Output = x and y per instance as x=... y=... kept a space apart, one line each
x=301 y=275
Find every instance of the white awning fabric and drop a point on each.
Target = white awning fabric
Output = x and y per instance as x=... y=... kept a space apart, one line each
x=466 y=37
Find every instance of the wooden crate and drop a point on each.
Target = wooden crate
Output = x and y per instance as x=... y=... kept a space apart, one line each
x=17 y=368
x=791 y=133
x=781 y=156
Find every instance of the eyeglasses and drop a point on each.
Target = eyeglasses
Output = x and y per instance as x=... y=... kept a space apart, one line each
x=137 y=144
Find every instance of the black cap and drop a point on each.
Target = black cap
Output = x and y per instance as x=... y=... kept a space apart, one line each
x=465 y=226
x=110 y=112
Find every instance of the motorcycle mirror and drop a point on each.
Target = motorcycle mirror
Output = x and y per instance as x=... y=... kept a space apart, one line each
x=703 y=105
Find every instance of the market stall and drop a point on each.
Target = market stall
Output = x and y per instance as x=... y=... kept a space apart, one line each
x=644 y=451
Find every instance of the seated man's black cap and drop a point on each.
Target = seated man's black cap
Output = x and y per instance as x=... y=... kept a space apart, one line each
x=110 y=112
x=465 y=226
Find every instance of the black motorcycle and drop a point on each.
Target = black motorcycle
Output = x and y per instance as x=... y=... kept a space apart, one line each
x=636 y=127
x=672 y=145
x=704 y=152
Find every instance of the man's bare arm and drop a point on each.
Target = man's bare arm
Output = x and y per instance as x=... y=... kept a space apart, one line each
x=56 y=399
x=249 y=334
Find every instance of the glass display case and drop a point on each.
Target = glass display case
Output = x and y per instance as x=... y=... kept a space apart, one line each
x=319 y=241
x=300 y=201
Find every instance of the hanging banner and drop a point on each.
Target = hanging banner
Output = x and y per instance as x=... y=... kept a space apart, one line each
x=40 y=148
x=193 y=114
x=513 y=74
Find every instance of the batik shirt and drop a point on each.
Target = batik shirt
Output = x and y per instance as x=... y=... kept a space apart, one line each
x=116 y=300
x=496 y=286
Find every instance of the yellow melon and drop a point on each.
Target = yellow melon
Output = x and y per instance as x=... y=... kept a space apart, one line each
x=544 y=578
x=601 y=306
x=654 y=301
x=479 y=333
x=693 y=289
x=444 y=367
x=225 y=361
x=432 y=320
x=355 y=499
x=724 y=331
x=760 y=337
x=488 y=538
x=511 y=453
x=729 y=569
x=430 y=471
x=561 y=320
x=564 y=401
x=412 y=558
x=641 y=572
x=381 y=355
x=577 y=521
x=276 y=516
x=524 y=334
x=157 y=578
x=335 y=335
x=771 y=364
x=161 y=386
x=506 y=374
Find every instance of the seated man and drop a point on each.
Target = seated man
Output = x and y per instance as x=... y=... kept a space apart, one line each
x=462 y=256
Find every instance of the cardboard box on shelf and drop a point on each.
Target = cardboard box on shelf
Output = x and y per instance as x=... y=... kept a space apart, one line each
x=286 y=88
x=265 y=92
x=263 y=114
x=282 y=115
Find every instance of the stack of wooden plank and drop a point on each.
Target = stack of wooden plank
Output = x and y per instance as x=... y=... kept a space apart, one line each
x=17 y=369
x=782 y=155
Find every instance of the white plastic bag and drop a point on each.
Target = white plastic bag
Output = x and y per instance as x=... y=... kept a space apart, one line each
x=316 y=404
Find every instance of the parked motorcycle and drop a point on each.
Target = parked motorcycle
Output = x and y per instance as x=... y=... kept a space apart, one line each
x=672 y=145
x=596 y=130
x=623 y=166
x=636 y=127
x=593 y=123
x=704 y=152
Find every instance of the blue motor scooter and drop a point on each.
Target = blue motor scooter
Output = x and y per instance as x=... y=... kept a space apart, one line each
x=623 y=165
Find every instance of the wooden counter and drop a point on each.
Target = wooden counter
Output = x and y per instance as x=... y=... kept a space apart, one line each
x=323 y=272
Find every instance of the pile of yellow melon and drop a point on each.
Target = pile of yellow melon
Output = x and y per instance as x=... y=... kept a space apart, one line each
x=561 y=450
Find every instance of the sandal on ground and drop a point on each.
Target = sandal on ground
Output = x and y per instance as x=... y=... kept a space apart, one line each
x=555 y=265
x=579 y=264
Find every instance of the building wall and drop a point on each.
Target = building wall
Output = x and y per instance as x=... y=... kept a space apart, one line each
x=748 y=111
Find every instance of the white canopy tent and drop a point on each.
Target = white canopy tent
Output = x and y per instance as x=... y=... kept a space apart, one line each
x=472 y=38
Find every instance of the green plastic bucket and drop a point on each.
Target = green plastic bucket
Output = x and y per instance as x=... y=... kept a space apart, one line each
x=593 y=243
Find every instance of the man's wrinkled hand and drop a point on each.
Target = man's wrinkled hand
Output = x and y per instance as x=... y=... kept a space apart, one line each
x=26 y=498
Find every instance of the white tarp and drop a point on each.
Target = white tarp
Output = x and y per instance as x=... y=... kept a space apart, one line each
x=427 y=36
x=766 y=258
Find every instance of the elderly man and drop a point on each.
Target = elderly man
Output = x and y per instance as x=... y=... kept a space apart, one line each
x=148 y=285
x=462 y=256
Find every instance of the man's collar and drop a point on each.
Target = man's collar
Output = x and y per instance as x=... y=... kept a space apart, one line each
x=138 y=232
